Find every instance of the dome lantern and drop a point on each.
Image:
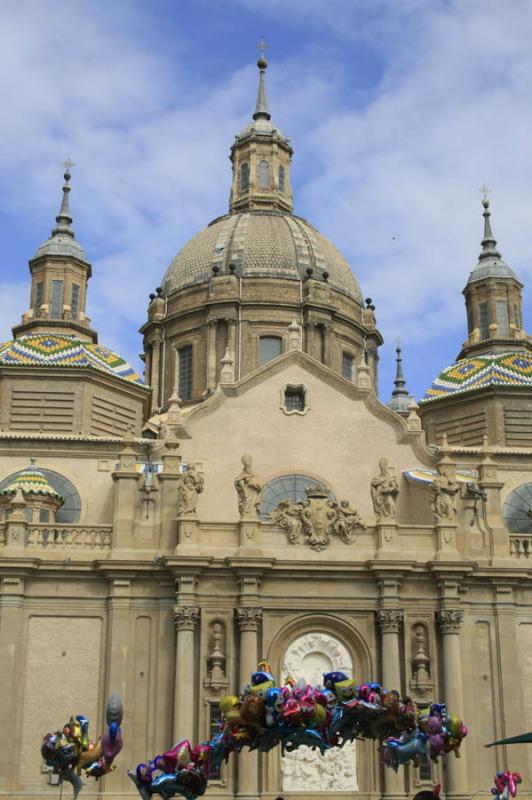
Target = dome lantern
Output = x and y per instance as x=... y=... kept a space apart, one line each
x=261 y=157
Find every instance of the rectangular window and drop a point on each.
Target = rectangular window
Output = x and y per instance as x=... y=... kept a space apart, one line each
x=215 y=720
x=502 y=317
x=184 y=383
x=425 y=769
x=484 y=320
x=294 y=399
x=517 y=321
x=56 y=305
x=269 y=347
x=37 y=303
x=347 y=366
x=74 y=305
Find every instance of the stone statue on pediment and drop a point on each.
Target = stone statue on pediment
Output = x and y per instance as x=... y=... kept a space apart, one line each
x=191 y=484
x=248 y=488
x=384 y=491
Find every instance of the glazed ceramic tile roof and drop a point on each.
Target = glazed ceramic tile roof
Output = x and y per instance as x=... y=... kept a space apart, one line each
x=60 y=350
x=31 y=481
x=483 y=371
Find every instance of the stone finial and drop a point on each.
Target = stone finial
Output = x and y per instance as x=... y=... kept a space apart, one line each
x=363 y=373
x=174 y=417
x=413 y=421
x=227 y=374
x=295 y=335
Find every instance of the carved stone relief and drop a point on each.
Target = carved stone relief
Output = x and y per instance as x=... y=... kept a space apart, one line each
x=317 y=519
x=308 y=657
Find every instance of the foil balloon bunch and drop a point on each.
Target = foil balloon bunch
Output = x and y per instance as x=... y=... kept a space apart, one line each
x=505 y=785
x=296 y=714
x=70 y=752
x=437 y=733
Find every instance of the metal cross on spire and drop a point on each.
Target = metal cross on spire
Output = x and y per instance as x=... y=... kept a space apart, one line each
x=262 y=46
x=68 y=164
x=485 y=191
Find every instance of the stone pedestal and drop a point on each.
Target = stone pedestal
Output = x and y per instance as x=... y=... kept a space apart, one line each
x=450 y=620
x=248 y=621
x=186 y=619
x=446 y=542
x=127 y=482
x=187 y=534
x=386 y=538
x=390 y=621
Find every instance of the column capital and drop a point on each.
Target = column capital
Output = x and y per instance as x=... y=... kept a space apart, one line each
x=248 y=618
x=390 y=619
x=449 y=619
x=186 y=617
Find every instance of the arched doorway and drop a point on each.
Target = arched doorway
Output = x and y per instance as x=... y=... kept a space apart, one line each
x=309 y=656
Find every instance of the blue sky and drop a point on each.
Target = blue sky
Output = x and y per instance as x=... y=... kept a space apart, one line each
x=398 y=112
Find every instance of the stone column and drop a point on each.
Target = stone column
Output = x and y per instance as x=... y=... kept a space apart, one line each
x=127 y=482
x=211 y=354
x=248 y=620
x=390 y=621
x=186 y=619
x=449 y=620
x=11 y=670
x=118 y=654
x=155 y=372
x=326 y=333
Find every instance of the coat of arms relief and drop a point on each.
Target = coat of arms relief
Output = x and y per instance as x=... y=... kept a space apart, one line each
x=316 y=520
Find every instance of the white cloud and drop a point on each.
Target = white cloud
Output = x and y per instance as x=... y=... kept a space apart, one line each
x=386 y=166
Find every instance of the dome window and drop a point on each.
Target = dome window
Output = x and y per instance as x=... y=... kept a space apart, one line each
x=484 y=320
x=264 y=175
x=56 y=308
x=39 y=287
x=347 y=366
x=244 y=177
x=184 y=371
x=281 y=179
x=502 y=318
x=269 y=348
x=74 y=304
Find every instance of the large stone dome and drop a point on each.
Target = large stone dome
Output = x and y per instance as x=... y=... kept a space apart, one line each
x=260 y=243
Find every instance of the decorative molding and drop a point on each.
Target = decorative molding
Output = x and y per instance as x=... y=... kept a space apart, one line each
x=186 y=617
x=450 y=619
x=390 y=619
x=248 y=618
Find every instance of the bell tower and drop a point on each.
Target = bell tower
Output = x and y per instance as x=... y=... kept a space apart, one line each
x=59 y=276
x=493 y=300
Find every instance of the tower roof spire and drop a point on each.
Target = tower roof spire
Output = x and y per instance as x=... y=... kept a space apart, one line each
x=261 y=107
x=63 y=242
x=400 y=399
x=64 y=218
x=490 y=262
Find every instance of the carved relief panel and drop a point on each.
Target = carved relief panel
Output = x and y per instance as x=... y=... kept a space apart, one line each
x=308 y=657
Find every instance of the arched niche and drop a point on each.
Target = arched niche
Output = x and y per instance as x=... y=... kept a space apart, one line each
x=307 y=646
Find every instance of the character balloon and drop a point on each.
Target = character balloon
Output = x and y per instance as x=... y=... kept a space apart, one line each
x=265 y=716
x=69 y=752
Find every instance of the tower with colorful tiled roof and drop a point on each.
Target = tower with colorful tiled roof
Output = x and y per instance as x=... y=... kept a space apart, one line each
x=488 y=391
x=493 y=301
x=59 y=276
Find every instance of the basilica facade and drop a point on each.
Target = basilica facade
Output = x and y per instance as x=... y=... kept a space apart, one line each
x=251 y=497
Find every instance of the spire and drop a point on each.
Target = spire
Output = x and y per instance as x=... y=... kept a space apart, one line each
x=261 y=108
x=401 y=399
x=64 y=218
x=489 y=249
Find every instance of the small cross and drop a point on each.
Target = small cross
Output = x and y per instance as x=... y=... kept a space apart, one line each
x=68 y=164
x=262 y=46
x=485 y=191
